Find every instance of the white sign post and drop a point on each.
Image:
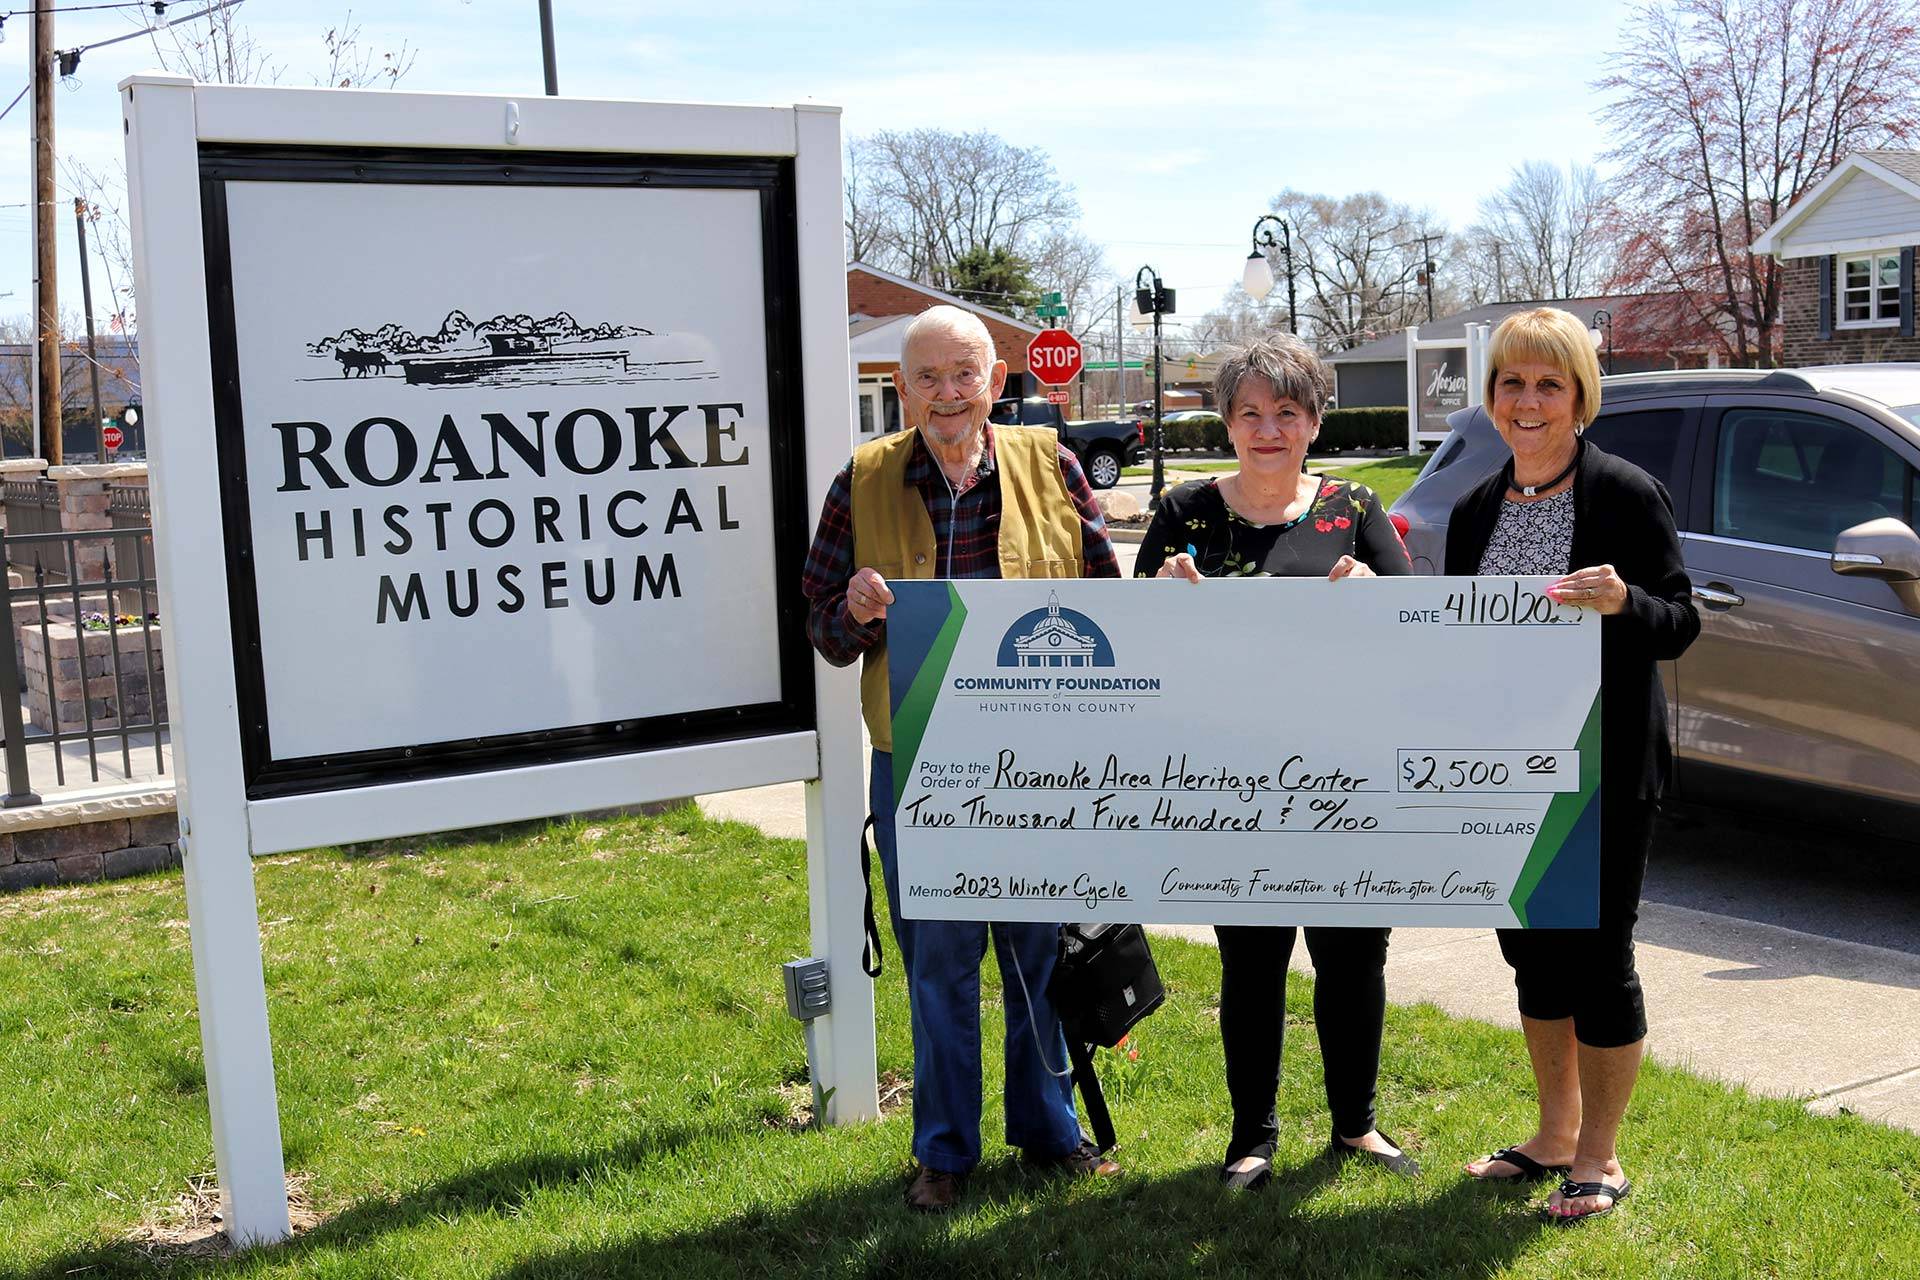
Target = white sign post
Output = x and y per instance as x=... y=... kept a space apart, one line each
x=494 y=433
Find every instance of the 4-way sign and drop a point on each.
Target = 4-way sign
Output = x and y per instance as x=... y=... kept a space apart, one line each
x=1053 y=357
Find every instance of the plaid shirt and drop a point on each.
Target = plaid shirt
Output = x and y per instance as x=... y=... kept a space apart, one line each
x=966 y=542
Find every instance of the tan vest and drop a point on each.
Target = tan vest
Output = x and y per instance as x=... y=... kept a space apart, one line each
x=892 y=532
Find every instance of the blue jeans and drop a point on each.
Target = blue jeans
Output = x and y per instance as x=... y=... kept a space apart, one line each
x=942 y=962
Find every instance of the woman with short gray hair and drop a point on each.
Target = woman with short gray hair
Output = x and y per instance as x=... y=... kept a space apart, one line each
x=1271 y=518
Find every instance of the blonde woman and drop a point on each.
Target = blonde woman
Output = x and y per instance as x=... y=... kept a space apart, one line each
x=1605 y=527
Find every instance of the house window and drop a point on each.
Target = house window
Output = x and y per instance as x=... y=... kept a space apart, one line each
x=1869 y=288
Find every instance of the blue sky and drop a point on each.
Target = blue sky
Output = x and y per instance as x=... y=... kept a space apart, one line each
x=1175 y=124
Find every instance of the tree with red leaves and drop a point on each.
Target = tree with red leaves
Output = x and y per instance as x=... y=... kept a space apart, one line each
x=1724 y=113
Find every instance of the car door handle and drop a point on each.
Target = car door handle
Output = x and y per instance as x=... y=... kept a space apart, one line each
x=1718 y=597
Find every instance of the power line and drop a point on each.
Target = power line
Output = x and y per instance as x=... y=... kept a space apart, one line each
x=81 y=8
x=69 y=59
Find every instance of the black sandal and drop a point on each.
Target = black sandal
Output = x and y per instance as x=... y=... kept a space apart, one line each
x=1570 y=1189
x=1403 y=1164
x=1530 y=1170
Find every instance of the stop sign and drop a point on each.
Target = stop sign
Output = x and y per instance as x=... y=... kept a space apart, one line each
x=1053 y=357
x=111 y=437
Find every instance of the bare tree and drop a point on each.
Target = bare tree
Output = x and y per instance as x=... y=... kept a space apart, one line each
x=222 y=51
x=117 y=377
x=1239 y=318
x=217 y=49
x=351 y=64
x=1065 y=260
x=1547 y=234
x=917 y=201
x=1724 y=113
x=1360 y=266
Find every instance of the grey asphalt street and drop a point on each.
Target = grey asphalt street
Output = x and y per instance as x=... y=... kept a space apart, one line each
x=1794 y=877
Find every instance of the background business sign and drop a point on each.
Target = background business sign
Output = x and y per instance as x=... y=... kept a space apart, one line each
x=505 y=457
x=1440 y=380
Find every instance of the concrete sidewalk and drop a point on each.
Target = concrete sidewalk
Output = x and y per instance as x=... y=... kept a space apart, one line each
x=1785 y=1013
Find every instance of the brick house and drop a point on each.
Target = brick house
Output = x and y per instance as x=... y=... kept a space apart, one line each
x=1847 y=263
x=880 y=306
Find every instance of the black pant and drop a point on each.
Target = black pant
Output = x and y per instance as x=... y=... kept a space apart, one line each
x=1588 y=974
x=1349 y=1009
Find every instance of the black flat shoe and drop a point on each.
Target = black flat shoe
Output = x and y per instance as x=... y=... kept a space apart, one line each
x=1249 y=1179
x=1403 y=1164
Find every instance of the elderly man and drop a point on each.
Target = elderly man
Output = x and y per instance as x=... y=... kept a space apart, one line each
x=956 y=497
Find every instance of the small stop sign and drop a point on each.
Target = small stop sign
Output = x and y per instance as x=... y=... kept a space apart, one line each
x=1053 y=357
x=111 y=437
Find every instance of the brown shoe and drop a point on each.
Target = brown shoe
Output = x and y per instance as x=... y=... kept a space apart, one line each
x=1084 y=1161
x=934 y=1190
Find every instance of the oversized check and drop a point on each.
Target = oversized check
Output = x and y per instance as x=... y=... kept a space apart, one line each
x=1390 y=751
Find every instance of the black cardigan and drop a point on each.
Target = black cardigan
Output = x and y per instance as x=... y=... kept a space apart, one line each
x=1623 y=517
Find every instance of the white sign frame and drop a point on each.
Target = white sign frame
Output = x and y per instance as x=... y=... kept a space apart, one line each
x=168 y=120
x=1475 y=342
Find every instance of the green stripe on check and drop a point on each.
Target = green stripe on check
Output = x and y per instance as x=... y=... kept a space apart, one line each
x=1562 y=813
x=910 y=721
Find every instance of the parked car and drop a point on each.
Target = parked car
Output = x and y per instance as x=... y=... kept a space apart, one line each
x=1033 y=411
x=1103 y=445
x=1794 y=493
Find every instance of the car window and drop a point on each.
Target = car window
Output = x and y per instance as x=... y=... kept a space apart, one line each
x=1796 y=479
x=1446 y=455
x=1648 y=438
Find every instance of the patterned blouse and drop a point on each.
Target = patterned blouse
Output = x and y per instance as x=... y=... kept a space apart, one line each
x=1532 y=537
x=1343 y=519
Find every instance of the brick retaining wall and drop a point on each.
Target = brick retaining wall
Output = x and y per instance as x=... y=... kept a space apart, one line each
x=77 y=841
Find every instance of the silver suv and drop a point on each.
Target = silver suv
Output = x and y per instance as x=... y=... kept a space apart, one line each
x=1794 y=492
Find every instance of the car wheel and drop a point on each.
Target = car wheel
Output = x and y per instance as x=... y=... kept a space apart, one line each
x=1103 y=468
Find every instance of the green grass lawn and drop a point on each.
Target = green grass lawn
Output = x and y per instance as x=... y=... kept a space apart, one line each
x=563 y=1052
x=1388 y=477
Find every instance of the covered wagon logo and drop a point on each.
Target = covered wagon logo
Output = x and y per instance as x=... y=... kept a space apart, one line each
x=509 y=351
x=501 y=506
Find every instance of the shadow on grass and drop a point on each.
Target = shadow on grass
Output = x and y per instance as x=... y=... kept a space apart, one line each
x=501 y=1187
x=1017 y=1223
x=1312 y=1220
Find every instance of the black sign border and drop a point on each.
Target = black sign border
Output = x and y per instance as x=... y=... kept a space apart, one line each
x=268 y=777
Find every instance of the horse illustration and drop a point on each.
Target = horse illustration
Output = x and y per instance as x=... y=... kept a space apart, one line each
x=359 y=363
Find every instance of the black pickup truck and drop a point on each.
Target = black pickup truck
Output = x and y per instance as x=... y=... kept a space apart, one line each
x=1103 y=445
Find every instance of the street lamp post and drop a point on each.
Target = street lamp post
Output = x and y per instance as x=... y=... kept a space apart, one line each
x=1152 y=298
x=1257 y=277
x=1602 y=325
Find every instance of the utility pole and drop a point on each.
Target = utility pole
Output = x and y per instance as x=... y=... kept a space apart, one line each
x=1120 y=353
x=86 y=295
x=546 y=48
x=46 y=290
x=1426 y=266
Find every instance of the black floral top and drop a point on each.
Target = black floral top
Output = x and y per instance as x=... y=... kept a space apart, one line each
x=1344 y=519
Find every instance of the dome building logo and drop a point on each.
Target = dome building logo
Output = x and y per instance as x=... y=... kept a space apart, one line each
x=1054 y=638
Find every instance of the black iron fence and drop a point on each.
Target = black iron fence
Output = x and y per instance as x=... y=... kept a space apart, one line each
x=85 y=663
x=33 y=506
